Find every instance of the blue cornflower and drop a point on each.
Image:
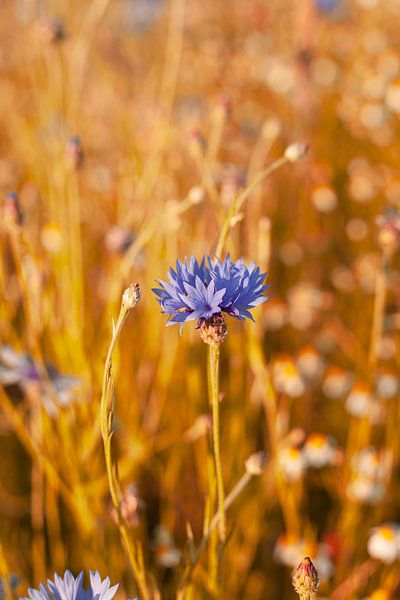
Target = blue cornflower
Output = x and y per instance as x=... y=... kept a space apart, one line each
x=71 y=588
x=198 y=291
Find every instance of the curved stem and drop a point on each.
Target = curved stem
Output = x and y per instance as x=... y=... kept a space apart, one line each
x=241 y=198
x=213 y=367
x=106 y=413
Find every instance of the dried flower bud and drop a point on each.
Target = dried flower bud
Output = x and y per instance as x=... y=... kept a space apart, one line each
x=51 y=30
x=255 y=464
x=213 y=330
x=74 y=153
x=197 y=144
x=131 y=296
x=12 y=210
x=305 y=579
x=296 y=151
x=223 y=108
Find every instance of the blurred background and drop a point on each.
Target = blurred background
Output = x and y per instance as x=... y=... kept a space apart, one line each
x=127 y=128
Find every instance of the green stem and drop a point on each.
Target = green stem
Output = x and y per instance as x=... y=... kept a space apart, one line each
x=213 y=366
x=106 y=412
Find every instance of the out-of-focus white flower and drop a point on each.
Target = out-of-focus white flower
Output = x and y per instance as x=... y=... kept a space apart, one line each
x=288 y=550
x=291 y=463
x=167 y=555
x=366 y=490
x=286 y=377
x=336 y=383
x=275 y=315
x=310 y=363
x=367 y=484
x=358 y=402
x=384 y=543
x=320 y=451
x=387 y=384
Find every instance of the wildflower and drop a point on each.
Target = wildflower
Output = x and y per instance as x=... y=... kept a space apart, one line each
x=389 y=230
x=368 y=482
x=74 y=153
x=324 y=198
x=310 y=363
x=51 y=29
x=167 y=555
x=14 y=582
x=12 y=210
x=387 y=383
x=336 y=383
x=71 y=588
x=118 y=239
x=305 y=578
x=326 y=6
x=319 y=451
x=255 y=464
x=287 y=550
x=365 y=490
x=384 y=543
x=276 y=315
x=304 y=300
x=131 y=296
x=22 y=370
x=197 y=291
x=286 y=376
x=131 y=505
x=358 y=402
x=291 y=463
x=296 y=151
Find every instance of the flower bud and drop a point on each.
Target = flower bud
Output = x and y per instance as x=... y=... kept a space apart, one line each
x=255 y=464
x=213 y=330
x=131 y=296
x=296 y=151
x=74 y=153
x=12 y=210
x=305 y=579
x=51 y=30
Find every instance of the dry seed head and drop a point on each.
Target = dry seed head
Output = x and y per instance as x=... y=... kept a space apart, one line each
x=213 y=330
x=296 y=151
x=305 y=579
x=131 y=296
x=255 y=464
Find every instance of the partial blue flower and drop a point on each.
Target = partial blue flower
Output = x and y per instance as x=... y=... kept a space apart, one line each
x=71 y=588
x=21 y=369
x=197 y=291
x=14 y=581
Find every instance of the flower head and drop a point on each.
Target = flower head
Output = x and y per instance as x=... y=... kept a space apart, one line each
x=305 y=578
x=198 y=291
x=71 y=588
x=22 y=370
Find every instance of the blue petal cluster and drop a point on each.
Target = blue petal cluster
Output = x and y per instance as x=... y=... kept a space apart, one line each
x=71 y=588
x=197 y=291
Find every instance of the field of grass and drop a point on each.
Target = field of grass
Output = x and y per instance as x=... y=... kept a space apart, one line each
x=138 y=133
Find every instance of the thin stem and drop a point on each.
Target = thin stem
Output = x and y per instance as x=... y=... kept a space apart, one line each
x=379 y=312
x=229 y=500
x=213 y=362
x=106 y=413
x=241 y=198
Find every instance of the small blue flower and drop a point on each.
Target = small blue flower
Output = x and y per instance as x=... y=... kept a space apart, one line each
x=71 y=588
x=197 y=291
x=22 y=370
